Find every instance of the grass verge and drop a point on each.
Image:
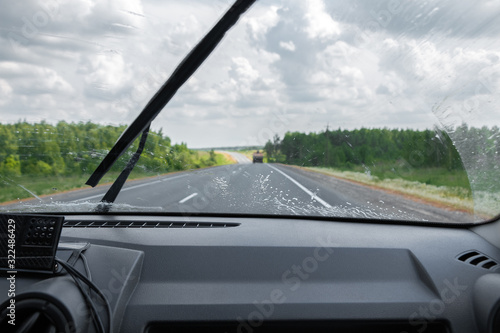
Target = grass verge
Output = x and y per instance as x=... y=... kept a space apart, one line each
x=22 y=187
x=227 y=158
x=456 y=197
x=430 y=176
x=436 y=186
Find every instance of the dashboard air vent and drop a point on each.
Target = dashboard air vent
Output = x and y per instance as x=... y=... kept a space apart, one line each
x=478 y=259
x=145 y=224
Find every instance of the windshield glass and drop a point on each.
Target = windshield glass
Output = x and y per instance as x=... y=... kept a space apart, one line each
x=358 y=109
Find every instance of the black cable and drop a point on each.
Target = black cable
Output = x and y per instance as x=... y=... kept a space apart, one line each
x=89 y=276
x=86 y=264
x=93 y=311
x=78 y=277
x=70 y=269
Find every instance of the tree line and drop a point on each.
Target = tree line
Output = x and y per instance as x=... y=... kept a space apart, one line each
x=78 y=148
x=346 y=149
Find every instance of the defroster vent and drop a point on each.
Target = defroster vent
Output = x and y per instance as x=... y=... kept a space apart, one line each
x=146 y=224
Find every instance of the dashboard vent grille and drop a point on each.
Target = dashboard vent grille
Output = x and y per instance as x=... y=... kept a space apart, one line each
x=145 y=224
x=478 y=259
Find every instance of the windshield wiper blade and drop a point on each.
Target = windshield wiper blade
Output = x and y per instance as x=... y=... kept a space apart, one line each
x=181 y=74
x=117 y=185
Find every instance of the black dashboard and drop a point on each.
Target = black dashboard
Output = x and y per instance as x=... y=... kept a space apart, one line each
x=260 y=274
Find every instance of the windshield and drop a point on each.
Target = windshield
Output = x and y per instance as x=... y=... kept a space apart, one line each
x=347 y=109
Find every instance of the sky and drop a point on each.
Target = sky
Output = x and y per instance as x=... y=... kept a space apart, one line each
x=286 y=65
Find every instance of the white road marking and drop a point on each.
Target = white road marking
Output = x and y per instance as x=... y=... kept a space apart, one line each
x=302 y=187
x=188 y=197
x=131 y=187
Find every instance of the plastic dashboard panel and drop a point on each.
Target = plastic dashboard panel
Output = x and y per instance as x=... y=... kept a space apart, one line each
x=285 y=271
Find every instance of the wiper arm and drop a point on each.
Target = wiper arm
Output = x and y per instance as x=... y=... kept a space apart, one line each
x=181 y=74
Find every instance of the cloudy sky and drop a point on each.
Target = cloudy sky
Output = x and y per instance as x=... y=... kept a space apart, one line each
x=286 y=66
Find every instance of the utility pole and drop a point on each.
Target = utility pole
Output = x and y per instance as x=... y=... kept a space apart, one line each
x=326 y=159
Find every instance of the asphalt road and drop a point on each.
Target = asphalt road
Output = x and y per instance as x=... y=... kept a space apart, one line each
x=240 y=158
x=249 y=188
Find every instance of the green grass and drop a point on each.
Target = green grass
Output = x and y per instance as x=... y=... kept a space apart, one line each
x=456 y=197
x=448 y=191
x=220 y=159
x=14 y=188
x=429 y=176
x=447 y=188
x=19 y=187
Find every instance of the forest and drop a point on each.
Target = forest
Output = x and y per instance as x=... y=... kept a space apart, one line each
x=77 y=148
x=65 y=154
x=395 y=151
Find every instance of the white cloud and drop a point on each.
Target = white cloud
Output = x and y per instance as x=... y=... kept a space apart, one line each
x=320 y=25
x=95 y=16
x=289 y=46
x=263 y=19
x=31 y=79
x=5 y=92
x=181 y=37
x=437 y=70
x=242 y=72
x=103 y=60
x=107 y=73
x=245 y=87
x=391 y=84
